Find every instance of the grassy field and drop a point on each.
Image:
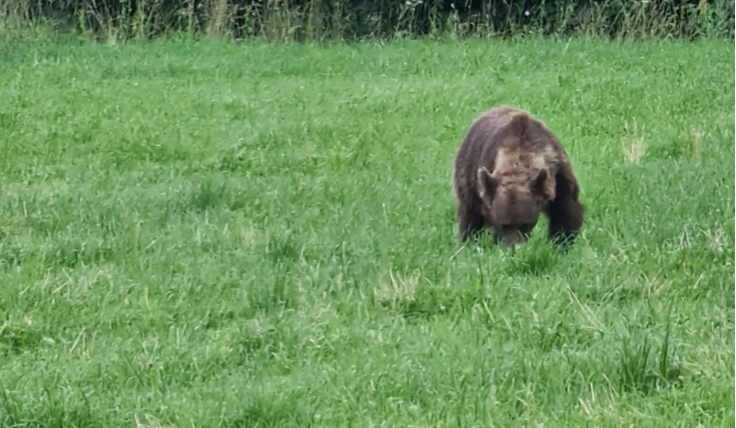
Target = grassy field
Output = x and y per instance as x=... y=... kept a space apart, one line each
x=221 y=235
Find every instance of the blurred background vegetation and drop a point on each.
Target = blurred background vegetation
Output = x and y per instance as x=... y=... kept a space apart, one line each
x=351 y=20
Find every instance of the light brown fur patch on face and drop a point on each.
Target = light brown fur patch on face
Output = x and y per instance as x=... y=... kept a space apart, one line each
x=516 y=169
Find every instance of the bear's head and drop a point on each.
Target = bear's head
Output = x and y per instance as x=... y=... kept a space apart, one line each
x=512 y=208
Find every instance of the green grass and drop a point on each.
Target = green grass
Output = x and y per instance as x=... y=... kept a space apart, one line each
x=221 y=235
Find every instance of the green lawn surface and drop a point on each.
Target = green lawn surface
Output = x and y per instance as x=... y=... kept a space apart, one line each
x=258 y=235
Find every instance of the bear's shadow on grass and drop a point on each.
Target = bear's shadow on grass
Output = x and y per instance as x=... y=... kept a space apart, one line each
x=536 y=257
x=530 y=262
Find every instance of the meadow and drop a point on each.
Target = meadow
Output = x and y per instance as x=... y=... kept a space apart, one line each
x=212 y=234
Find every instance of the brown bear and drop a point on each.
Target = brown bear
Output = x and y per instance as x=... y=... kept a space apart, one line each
x=509 y=169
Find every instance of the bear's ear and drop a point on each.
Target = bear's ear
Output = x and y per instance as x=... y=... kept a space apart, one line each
x=486 y=183
x=541 y=185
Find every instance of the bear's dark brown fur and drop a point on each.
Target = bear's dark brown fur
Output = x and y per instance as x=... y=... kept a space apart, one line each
x=509 y=169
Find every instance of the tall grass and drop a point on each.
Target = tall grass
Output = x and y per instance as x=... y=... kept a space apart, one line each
x=321 y=20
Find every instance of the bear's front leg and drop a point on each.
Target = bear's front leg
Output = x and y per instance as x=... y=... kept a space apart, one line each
x=470 y=221
x=565 y=212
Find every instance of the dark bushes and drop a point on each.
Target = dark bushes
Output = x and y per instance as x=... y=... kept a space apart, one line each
x=301 y=20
